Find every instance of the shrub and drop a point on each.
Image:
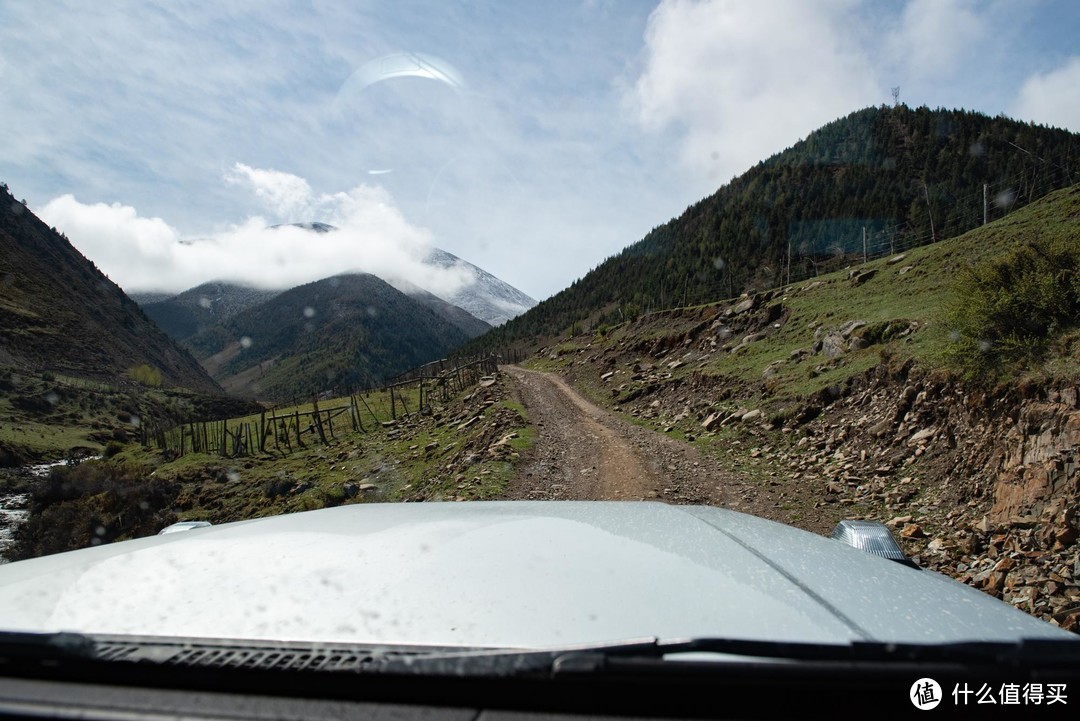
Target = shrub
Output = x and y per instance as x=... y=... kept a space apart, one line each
x=112 y=448
x=146 y=375
x=1005 y=312
x=93 y=503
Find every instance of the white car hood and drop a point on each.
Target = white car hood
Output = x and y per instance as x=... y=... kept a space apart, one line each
x=514 y=574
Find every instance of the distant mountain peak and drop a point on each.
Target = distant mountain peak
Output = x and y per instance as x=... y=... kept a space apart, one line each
x=489 y=298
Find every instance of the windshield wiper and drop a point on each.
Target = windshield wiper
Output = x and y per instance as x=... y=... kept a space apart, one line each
x=502 y=662
x=1023 y=653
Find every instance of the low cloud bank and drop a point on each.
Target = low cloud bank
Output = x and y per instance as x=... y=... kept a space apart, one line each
x=147 y=254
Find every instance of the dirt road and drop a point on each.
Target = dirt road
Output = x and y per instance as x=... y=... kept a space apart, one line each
x=584 y=452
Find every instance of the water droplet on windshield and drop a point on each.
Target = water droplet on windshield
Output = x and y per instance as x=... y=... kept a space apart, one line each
x=245 y=342
x=718 y=263
x=309 y=312
x=205 y=302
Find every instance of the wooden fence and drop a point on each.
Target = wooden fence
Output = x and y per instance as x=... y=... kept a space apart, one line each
x=283 y=431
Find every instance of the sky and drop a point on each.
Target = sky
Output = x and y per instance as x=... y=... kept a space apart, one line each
x=533 y=139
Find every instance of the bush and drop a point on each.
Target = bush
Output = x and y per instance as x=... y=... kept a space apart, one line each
x=112 y=448
x=146 y=375
x=93 y=503
x=1005 y=312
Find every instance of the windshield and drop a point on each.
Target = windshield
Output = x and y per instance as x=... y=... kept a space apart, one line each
x=287 y=287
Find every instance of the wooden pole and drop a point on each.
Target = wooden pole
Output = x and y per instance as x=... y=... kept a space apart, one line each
x=317 y=417
x=374 y=417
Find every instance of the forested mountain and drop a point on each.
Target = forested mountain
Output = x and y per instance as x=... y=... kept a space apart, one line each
x=882 y=179
x=347 y=331
x=198 y=308
x=58 y=312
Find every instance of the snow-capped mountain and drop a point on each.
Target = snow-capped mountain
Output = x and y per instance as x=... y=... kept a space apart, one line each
x=489 y=298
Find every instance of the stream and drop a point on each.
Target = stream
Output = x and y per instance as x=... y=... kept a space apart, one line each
x=15 y=507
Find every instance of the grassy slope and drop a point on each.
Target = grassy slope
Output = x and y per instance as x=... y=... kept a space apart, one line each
x=919 y=295
x=463 y=464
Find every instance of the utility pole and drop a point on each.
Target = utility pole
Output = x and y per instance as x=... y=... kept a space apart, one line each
x=933 y=235
x=864 y=244
x=986 y=207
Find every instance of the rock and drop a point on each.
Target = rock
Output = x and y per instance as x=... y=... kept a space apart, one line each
x=899 y=521
x=881 y=429
x=743 y=306
x=799 y=354
x=751 y=416
x=487 y=381
x=895 y=259
x=937 y=545
x=350 y=489
x=710 y=422
x=858 y=343
x=850 y=327
x=905 y=269
x=832 y=345
x=367 y=487
x=605 y=376
x=771 y=370
x=912 y=530
x=922 y=436
x=430 y=447
x=863 y=277
x=1064 y=537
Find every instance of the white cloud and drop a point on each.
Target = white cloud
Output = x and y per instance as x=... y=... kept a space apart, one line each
x=147 y=254
x=934 y=35
x=285 y=193
x=1052 y=98
x=745 y=80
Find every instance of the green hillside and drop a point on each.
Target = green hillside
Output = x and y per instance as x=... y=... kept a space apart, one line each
x=777 y=346
x=903 y=177
x=59 y=313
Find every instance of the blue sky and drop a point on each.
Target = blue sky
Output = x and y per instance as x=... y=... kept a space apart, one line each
x=163 y=137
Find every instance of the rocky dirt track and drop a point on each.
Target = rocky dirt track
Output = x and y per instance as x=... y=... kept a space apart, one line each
x=586 y=453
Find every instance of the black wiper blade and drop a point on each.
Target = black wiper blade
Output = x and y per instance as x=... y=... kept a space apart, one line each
x=1022 y=652
x=510 y=662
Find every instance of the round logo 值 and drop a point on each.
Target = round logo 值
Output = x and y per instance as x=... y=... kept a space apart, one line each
x=925 y=694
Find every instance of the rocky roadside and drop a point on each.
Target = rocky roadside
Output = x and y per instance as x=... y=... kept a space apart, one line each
x=983 y=488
